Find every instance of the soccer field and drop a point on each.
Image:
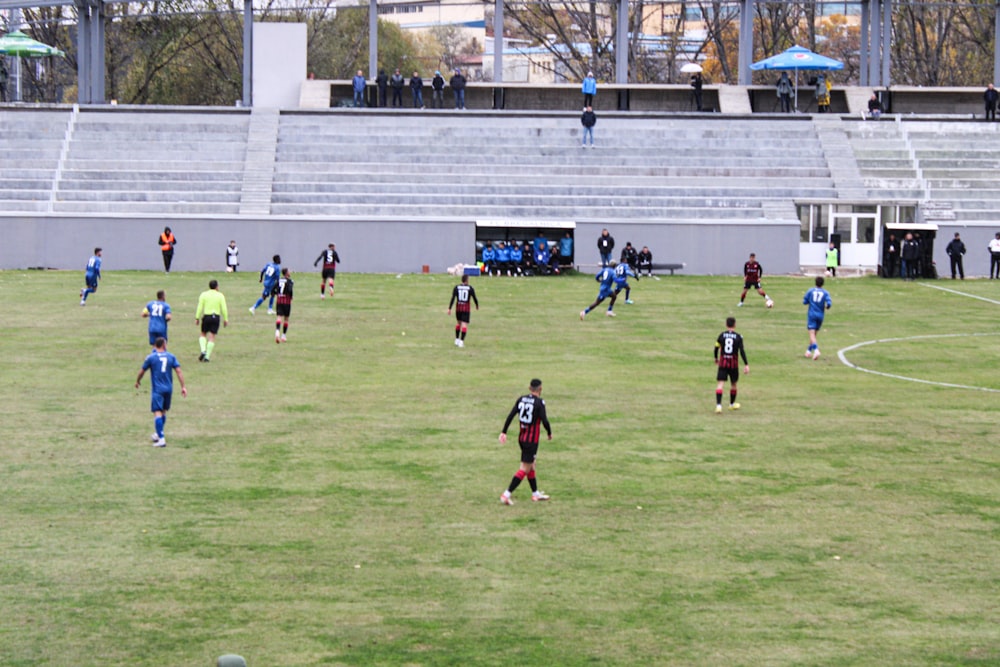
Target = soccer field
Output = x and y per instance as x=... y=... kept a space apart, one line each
x=334 y=500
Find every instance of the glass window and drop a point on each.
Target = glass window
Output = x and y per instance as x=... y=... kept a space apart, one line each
x=907 y=214
x=821 y=218
x=804 y=218
x=865 y=208
x=866 y=229
x=842 y=226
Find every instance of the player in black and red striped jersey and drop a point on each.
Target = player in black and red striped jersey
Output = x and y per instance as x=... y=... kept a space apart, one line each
x=728 y=350
x=530 y=412
x=752 y=273
x=462 y=298
x=330 y=258
x=282 y=290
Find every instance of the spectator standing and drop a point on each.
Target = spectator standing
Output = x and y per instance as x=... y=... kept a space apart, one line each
x=874 y=107
x=891 y=257
x=822 y=94
x=4 y=76
x=566 y=249
x=696 y=84
x=785 y=91
x=588 y=120
x=645 y=261
x=994 y=259
x=990 y=97
x=396 y=83
x=382 y=84
x=167 y=243
x=955 y=251
x=832 y=259
x=437 y=90
x=417 y=88
x=589 y=89
x=457 y=84
x=232 y=257
x=359 y=84
x=605 y=246
x=910 y=254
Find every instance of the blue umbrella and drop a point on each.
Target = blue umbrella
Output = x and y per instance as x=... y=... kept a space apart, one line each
x=796 y=58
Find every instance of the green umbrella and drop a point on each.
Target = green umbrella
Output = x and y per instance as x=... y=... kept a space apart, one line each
x=16 y=43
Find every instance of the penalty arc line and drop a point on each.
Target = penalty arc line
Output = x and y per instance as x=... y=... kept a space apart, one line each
x=843 y=359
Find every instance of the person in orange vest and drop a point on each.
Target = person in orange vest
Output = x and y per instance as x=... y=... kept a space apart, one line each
x=167 y=243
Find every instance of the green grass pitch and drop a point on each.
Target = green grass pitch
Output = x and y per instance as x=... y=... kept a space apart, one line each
x=334 y=500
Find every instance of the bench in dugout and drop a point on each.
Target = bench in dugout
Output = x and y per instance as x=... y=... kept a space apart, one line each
x=657 y=267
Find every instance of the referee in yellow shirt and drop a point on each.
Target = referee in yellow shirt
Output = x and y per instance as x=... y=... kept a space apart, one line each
x=211 y=310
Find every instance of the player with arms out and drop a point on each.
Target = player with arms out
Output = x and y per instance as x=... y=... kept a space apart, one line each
x=462 y=297
x=606 y=277
x=330 y=258
x=752 y=273
x=728 y=350
x=622 y=273
x=92 y=276
x=158 y=313
x=283 y=293
x=161 y=366
x=269 y=277
x=530 y=412
x=818 y=300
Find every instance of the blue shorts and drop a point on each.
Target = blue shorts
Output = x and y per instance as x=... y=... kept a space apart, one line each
x=92 y=282
x=814 y=323
x=267 y=291
x=159 y=402
x=620 y=286
x=605 y=292
x=153 y=335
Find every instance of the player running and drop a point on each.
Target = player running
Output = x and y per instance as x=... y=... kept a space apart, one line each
x=818 y=300
x=283 y=291
x=269 y=277
x=728 y=350
x=330 y=258
x=752 y=273
x=530 y=411
x=622 y=273
x=158 y=313
x=161 y=366
x=460 y=298
x=92 y=276
x=606 y=277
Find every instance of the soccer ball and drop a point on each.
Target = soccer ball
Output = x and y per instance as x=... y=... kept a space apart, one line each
x=769 y=303
x=827 y=273
x=229 y=269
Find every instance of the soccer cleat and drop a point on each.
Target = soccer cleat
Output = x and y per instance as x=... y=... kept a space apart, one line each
x=739 y=305
x=270 y=311
x=253 y=310
x=816 y=354
x=808 y=354
x=718 y=409
x=201 y=357
x=284 y=339
x=461 y=343
x=611 y=313
x=162 y=442
x=322 y=295
x=629 y=301
x=155 y=437
x=457 y=341
x=277 y=337
x=506 y=500
x=83 y=302
x=539 y=496
x=734 y=406
x=583 y=314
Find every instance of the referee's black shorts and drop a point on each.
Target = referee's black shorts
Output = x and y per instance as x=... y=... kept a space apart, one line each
x=210 y=324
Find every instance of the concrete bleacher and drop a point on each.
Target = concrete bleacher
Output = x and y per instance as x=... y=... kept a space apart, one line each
x=31 y=144
x=153 y=162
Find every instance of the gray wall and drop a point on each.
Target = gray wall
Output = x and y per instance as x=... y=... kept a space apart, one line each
x=365 y=246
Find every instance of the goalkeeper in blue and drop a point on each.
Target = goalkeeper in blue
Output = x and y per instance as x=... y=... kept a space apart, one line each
x=622 y=273
x=269 y=277
x=606 y=277
x=818 y=300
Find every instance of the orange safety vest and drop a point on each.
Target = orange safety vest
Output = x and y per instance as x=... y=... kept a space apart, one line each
x=167 y=242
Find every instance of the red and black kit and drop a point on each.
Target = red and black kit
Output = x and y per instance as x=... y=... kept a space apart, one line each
x=283 y=293
x=462 y=298
x=752 y=273
x=728 y=351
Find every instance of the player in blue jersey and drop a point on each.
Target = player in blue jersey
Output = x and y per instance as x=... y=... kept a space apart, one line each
x=158 y=313
x=622 y=273
x=818 y=300
x=93 y=275
x=161 y=366
x=606 y=277
x=269 y=276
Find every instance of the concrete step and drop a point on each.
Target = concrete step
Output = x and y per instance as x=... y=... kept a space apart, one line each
x=438 y=211
x=137 y=195
x=133 y=207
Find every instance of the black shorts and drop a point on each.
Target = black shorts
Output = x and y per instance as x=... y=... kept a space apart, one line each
x=528 y=452
x=210 y=324
x=731 y=374
x=751 y=284
x=462 y=315
x=283 y=309
x=329 y=274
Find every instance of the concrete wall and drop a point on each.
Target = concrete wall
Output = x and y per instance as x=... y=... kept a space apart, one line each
x=279 y=64
x=366 y=246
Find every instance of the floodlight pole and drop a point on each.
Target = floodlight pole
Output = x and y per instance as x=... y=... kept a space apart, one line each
x=621 y=44
x=745 y=50
x=996 y=41
x=248 y=53
x=15 y=24
x=864 y=50
x=886 y=42
x=875 y=46
x=498 y=41
x=373 y=39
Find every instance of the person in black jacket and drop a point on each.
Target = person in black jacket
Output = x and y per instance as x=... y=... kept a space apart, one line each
x=911 y=257
x=630 y=257
x=955 y=251
x=437 y=86
x=457 y=84
x=417 y=88
x=645 y=261
x=588 y=120
x=605 y=246
x=396 y=83
x=382 y=83
x=990 y=97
